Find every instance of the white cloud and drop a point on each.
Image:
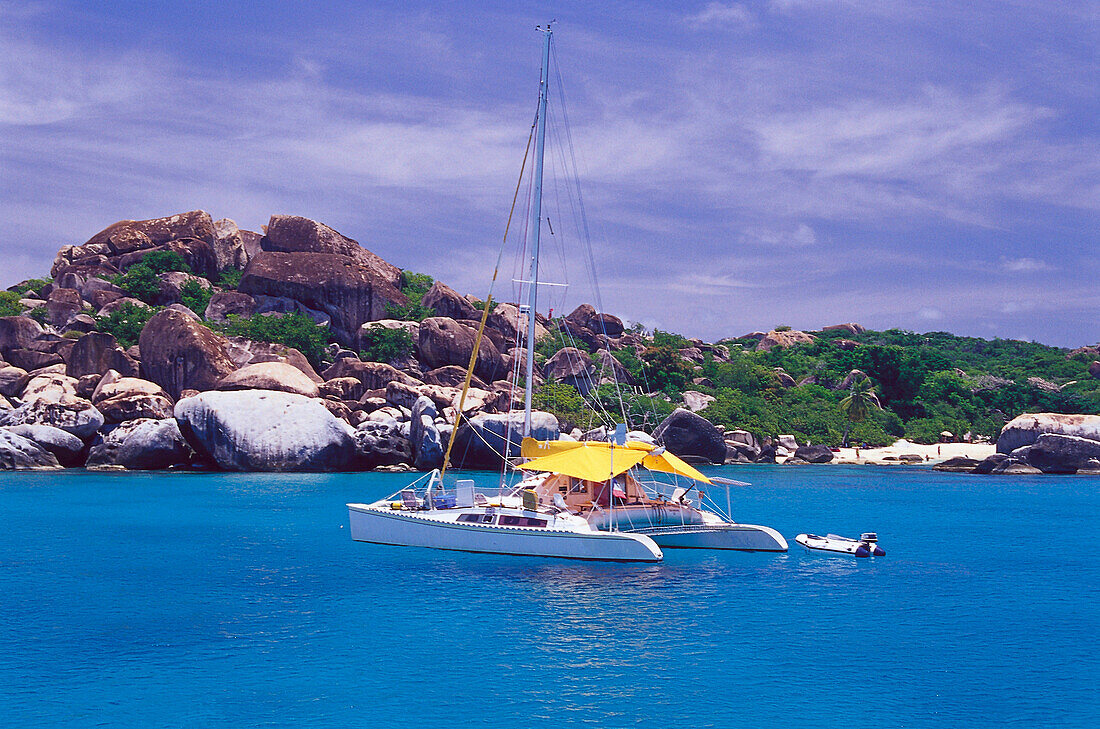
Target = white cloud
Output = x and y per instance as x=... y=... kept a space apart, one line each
x=1024 y=265
x=929 y=313
x=798 y=236
x=721 y=14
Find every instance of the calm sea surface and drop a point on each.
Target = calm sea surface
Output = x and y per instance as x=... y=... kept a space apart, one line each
x=241 y=601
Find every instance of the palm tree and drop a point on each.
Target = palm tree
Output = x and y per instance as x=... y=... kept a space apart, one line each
x=858 y=405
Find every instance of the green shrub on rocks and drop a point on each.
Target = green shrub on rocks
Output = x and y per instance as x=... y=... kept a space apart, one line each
x=126 y=322
x=414 y=286
x=229 y=278
x=165 y=261
x=9 y=304
x=140 y=282
x=293 y=330
x=385 y=345
x=195 y=296
x=31 y=284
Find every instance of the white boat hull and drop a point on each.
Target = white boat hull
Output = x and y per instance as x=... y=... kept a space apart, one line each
x=411 y=529
x=840 y=545
x=742 y=537
x=674 y=526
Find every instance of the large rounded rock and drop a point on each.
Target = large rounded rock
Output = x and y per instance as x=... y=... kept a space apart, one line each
x=229 y=246
x=127 y=236
x=373 y=375
x=452 y=376
x=262 y=430
x=178 y=353
x=507 y=319
x=69 y=413
x=66 y=447
x=49 y=386
x=62 y=305
x=783 y=339
x=446 y=302
x=483 y=440
x=1057 y=453
x=172 y=283
x=814 y=454
x=95 y=353
x=294 y=234
x=442 y=341
x=22 y=454
x=572 y=366
x=12 y=380
x=347 y=292
x=270 y=376
x=427 y=447
x=381 y=444
x=224 y=304
x=692 y=436
x=130 y=398
x=243 y=352
x=1025 y=429
x=153 y=445
x=17 y=332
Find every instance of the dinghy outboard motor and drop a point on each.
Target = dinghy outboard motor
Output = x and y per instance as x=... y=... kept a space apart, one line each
x=869 y=545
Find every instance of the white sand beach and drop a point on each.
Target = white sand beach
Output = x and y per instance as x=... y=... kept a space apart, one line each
x=931 y=454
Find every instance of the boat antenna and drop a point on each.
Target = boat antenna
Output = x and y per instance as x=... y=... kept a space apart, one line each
x=536 y=217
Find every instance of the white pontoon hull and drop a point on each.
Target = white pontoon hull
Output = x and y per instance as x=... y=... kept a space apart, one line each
x=411 y=529
x=674 y=526
x=743 y=537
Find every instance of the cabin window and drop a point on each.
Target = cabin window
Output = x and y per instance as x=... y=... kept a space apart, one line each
x=527 y=521
x=476 y=518
x=577 y=487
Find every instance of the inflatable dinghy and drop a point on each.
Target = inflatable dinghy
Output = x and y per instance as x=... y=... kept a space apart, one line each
x=865 y=546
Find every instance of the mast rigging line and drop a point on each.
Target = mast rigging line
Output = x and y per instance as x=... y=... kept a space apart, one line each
x=485 y=313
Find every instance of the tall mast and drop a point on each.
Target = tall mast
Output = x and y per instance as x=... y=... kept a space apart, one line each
x=536 y=214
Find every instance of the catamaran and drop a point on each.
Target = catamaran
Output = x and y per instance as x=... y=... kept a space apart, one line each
x=511 y=521
x=578 y=500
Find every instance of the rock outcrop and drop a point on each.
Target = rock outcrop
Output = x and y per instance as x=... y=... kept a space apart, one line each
x=276 y=376
x=1025 y=429
x=373 y=375
x=347 y=292
x=68 y=412
x=427 y=446
x=95 y=353
x=446 y=302
x=783 y=339
x=294 y=234
x=130 y=398
x=482 y=440
x=66 y=447
x=1057 y=453
x=253 y=430
x=442 y=341
x=813 y=454
x=691 y=436
x=179 y=353
x=22 y=454
x=572 y=366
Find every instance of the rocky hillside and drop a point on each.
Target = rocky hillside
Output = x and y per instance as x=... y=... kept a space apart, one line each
x=182 y=341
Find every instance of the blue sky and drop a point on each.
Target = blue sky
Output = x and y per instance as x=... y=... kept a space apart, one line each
x=924 y=165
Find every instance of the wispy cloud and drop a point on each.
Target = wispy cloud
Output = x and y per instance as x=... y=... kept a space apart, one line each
x=721 y=15
x=1024 y=265
x=707 y=167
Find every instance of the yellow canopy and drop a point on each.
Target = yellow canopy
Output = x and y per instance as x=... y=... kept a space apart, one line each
x=598 y=461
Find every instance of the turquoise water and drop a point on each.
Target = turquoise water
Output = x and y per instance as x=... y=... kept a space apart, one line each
x=241 y=601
